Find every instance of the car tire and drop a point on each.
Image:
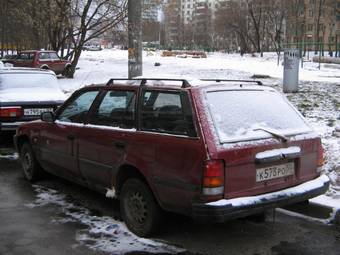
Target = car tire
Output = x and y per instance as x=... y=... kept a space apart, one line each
x=31 y=168
x=67 y=72
x=139 y=208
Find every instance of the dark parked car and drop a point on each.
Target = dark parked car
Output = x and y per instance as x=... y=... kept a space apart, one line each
x=209 y=150
x=43 y=59
x=9 y=59
x=26 y=93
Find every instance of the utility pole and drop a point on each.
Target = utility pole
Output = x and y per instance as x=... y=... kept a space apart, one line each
x=135 y=37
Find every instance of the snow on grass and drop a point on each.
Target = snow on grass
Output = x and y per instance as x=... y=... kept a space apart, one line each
x=320 y=104
x=102 y=233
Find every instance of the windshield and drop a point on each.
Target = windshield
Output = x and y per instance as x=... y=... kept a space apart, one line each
x=27 y=80
x=249 y=114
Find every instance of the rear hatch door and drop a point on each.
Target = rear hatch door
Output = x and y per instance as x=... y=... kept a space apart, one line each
x=265 y=143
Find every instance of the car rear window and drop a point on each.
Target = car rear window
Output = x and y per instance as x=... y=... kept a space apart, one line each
x=27 y=80
x=240 y=115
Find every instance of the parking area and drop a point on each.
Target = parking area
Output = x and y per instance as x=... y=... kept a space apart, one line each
x=54 y=216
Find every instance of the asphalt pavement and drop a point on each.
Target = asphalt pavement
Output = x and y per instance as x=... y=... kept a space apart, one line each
x=34 y=230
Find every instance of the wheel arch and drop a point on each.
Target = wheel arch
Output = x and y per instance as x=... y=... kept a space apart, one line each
x=127 y=171
x=20 y=141
x=45 y=67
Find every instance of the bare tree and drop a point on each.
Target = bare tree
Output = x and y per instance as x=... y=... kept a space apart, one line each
x=91 y=19
x=276 y=17
x=318 y=10
x=257 y=9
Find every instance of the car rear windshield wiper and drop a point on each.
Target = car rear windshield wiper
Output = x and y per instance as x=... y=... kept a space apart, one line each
x=273 y=132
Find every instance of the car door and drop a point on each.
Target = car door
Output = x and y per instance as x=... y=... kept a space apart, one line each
x=25 y=59
x=56 y=64
x=168 y=140
x=44 y=60
x=104 y=141
x=59 y=141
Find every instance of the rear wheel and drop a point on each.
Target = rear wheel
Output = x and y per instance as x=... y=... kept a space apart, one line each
x=68 y=72
x=31 y=168
x=140 y=210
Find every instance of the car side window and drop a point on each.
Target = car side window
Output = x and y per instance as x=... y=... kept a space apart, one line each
x=117 y=109
x=44 y=56
x=76 y=110
x=53 y=56
x=163 y=112
x=26 y=56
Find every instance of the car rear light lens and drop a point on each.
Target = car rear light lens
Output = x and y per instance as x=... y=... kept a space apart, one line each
x=10 y=112
x=320 y=158
x=213 y=177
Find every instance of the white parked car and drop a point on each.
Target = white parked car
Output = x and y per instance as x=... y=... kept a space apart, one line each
x=25 y=93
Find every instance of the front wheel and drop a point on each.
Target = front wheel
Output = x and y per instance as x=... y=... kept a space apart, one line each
x=31 y=168
x=140 y=211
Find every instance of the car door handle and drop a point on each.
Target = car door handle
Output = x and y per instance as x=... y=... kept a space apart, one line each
x=71 y=137
x=119 y=145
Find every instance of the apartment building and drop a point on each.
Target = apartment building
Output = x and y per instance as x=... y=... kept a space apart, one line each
x=314 y=21
x=150 y=10
x=189 y=21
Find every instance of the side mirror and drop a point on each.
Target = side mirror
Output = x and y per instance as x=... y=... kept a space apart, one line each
x=47 y=117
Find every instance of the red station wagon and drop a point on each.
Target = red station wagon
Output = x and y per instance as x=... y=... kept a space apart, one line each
x=213 y=150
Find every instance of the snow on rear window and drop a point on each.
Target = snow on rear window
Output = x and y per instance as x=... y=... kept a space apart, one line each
x=243 y=115
x=27 y=80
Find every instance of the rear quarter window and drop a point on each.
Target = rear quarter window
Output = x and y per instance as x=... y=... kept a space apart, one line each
x=167 y=112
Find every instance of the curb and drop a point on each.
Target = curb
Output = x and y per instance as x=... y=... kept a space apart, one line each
x=335 y=215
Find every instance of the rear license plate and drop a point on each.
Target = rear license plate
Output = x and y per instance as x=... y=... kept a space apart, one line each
x=272 y=172
x=36 y=111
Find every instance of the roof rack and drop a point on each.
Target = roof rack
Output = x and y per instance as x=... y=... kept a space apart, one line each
x=220 y=80
x=185 y=83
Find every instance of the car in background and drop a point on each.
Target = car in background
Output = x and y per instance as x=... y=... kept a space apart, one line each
x=92 y=48
x=9 y=59
x=26 y=93
x=212 y=150
x=43 y=59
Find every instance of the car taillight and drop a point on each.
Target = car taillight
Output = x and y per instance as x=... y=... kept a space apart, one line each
x=10 y=112
x=213 y=177
x=320 y=158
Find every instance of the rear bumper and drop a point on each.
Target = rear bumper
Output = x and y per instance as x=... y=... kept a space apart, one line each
x=225 y=209
x=10 y=126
